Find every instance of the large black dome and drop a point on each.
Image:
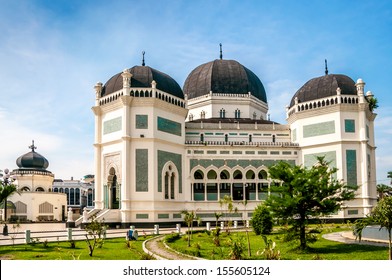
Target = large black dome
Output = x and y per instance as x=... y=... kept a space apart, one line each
x=324 y=86
x=142 y=76
x=32 y=160
x=223 y=76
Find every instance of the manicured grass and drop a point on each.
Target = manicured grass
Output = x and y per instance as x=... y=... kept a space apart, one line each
x=112 y=249
x=203 y=246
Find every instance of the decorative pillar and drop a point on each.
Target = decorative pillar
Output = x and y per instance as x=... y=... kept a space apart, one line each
x=154 y=88
x=98 y=92
x=126 y=75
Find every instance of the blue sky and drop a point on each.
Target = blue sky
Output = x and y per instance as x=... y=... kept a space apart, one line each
x=53 y=52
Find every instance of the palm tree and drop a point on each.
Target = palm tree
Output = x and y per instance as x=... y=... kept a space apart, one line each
x=6 y=190
x=189 y=217
x=383 y=191
x=218 y=215
x=227 y=201
x=390 y=175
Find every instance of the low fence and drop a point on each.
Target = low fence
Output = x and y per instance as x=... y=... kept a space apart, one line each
x=28 y=236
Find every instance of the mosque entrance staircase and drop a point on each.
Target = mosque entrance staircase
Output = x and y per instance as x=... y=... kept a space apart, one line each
x=107 y=215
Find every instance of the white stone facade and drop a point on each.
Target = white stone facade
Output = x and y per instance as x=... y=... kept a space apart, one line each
x=156 y=154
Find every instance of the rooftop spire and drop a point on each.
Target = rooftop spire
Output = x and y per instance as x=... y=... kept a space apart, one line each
x=220 y=56
x=326 y=67
x=32 y=147
x=143 y=53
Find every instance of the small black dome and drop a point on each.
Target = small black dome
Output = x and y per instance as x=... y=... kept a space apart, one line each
x=142 y=76
x=324 y=86
x=32 y=160
x=223 y=76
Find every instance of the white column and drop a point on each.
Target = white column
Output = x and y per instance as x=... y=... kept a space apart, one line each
x=98 y=184
x=126 y=164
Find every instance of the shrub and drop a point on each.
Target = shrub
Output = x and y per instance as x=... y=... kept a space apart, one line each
x=269 y=251
x=262 y=222
x=172 y=237
x=237 y=248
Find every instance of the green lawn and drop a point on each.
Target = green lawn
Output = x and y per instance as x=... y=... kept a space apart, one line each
x=203 y=246
x=112 y=249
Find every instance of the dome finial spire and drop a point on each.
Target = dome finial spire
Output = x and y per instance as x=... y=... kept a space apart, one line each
x=326 y=67
x=143 y=53
x=32 y=147
x=220 y=46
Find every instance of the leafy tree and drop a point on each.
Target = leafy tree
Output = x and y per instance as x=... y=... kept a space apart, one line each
x=382 y=216
x=96 y=230
x=262 y=221
x=306 y=193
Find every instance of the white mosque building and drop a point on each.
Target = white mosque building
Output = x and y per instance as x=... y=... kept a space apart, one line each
x=161 y=149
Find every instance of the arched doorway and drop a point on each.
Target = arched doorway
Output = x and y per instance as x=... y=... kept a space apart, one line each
x=114 y=190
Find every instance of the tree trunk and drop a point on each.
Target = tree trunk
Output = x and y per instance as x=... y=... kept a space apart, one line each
x=189 y=235
x=390 y=245
x=249 y=250
x=302 y=233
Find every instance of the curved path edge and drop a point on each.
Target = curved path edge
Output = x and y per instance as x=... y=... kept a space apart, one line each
x=152 y=247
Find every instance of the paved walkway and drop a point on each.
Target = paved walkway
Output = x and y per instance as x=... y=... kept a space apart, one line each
x=349 y=238
x=159 y=250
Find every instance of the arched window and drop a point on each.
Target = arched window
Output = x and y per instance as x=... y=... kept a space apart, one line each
x=72 y=197
x=250 y=174
x=273 y=138
x=77 y=196
x=198 y=175
x=201 y=137
x=39 y=189
x=90 y=197
x=225 y=175
x=222 y=113
x=263 y=175
x=250 y=138
x=237 y=175
x=226 y=137
x=166 y=185
x=237 y=114
x=170 y=181
x=172 y=185
x=212 y=175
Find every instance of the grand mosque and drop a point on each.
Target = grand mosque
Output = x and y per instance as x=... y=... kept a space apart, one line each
x=161 y=149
